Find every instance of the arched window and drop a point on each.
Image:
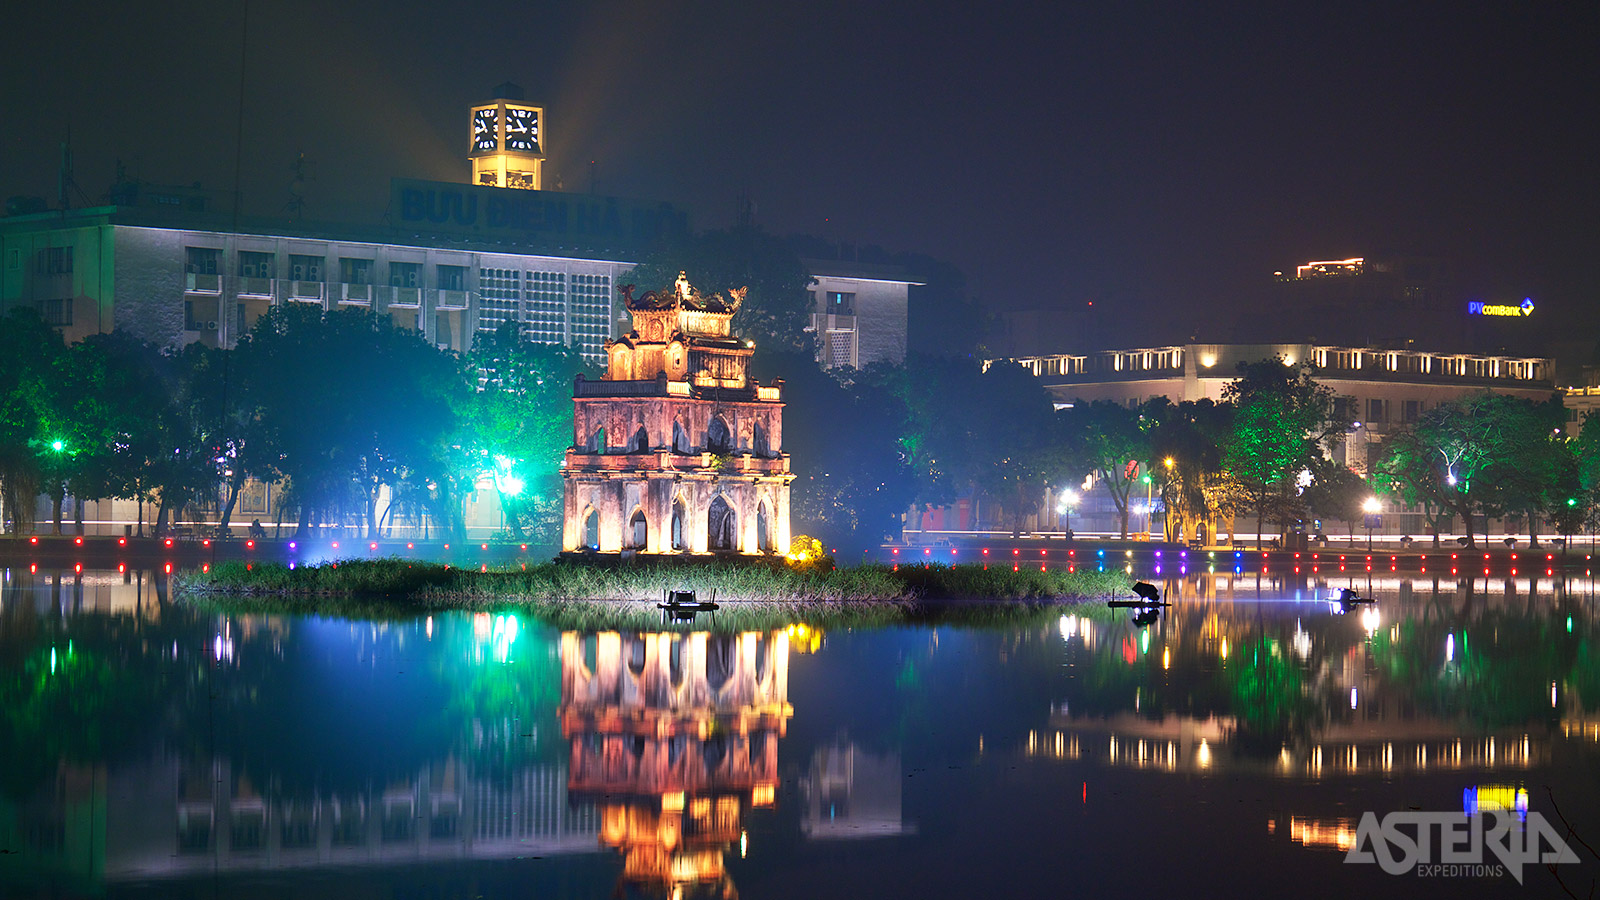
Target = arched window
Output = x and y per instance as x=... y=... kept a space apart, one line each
x=680 y=439
x=763 y=529
x=679 y=514
x=597 y=443
x=640 y=442
x=720 y=526
x=637 y=532
x=718 y=438
x=758 y=441
x=591 y=530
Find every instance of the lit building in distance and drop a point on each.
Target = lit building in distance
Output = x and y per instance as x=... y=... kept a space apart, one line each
x=860 y=313
x=676 y=450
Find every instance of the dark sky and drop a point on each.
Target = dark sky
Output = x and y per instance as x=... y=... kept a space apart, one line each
x=1159 y=159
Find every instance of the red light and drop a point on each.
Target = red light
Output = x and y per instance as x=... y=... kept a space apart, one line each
x=952 y=551
x=1550 y=556
x=1486 y=556
x=169 y=542
x=1341 y=557
x=1393 y=558
x=1485 y=571
x=1452 y=570
x=78 y=568
x=335 y=545
x=1015 y=552
x=122 y=567
x=206 y=542
x=524 y=546
x=1314 y=556
x=410 y=546
x=250 y=544
x=895 y=551
x=249 y=566
x=1069 y=552
x=927 y=551
x=372 y=546
x=1549 y=571
x=122 y=542
x=1513 y=573
x=169 y=568
x=485 y=546
x=1369 y=557
x=1316 y=569
x=1452 y=556
x=986 y=551
x=446 y=546
x=33 y=568
x=1297 y=554
x=1297 y=570
x=1041 y=552
x=483 y=568
x=1513 y=556
x=33 y=540
x=205 y=567
x=78 y=541
x=1424 y=568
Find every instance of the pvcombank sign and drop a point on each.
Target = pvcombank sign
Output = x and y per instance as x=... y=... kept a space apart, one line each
x=1504 y=310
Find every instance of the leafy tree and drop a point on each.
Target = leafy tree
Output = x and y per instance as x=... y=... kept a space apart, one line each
x=1195 y=489
x=29 y=350
x=1014 y=456
x=380 y=403
x=1465 y=456
x=1282 y=417
x=1336 y=492
x=520 y=419
x=777 y=308
x=1109 y=440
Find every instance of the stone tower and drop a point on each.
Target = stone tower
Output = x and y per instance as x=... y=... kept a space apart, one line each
x=676 y=451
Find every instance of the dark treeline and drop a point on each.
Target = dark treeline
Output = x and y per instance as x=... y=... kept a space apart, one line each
x=336 y=409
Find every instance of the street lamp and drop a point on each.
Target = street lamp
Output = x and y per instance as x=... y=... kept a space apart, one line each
x=1069 y=499
x=1371 y=507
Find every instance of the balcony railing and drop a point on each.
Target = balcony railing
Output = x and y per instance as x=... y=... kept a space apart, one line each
x=306 y=291
x=203 y=284
x=255 y=287
x=452 y=299
x=356 y=293
x=406 y=296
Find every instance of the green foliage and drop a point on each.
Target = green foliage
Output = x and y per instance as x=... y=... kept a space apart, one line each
x=1281 y=419
x=1103 y=438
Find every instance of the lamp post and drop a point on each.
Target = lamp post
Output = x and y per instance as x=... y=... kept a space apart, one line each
x=1371 y=507
x=1069 y=499
x=1166 y=501
x=1147 y=506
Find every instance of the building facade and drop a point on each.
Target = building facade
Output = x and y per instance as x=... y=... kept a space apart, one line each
x=676 y=450
x=860 y=313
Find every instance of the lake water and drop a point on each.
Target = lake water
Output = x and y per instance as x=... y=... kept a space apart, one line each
x=152 y=749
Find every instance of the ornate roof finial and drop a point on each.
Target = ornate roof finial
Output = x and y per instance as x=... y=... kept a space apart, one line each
x=682 y=284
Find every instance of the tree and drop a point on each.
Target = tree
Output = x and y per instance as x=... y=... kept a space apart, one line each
x=1014 y=454
x=1336 y=492
x=1281 y=419
x=520 y=420
x=1465 y=456
x=30 y=350
x=1109 y=440
x=348 y=405
x=1186 y=460
x=777 y=307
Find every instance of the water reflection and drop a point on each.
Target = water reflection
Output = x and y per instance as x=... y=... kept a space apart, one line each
x=147 y=742
x=674 y=735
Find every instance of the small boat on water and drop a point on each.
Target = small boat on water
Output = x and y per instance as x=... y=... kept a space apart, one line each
x=683 y=606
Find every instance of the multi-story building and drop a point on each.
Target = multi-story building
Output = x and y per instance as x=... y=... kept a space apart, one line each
x=860 y=313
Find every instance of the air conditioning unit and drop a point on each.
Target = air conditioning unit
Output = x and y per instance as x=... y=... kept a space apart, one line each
x=211 y=326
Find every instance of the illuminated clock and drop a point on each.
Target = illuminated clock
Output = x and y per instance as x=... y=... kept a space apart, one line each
x=484 y=139
x=522 y=130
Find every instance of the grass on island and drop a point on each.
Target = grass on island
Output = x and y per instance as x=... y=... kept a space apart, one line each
x=580 y=597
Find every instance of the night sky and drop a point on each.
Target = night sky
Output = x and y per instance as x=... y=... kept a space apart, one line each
x=1161 y=160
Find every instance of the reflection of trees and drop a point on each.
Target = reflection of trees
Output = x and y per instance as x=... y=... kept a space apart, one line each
x=1501 y=669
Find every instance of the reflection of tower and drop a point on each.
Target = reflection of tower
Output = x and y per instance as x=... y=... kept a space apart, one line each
x=507 y=141
x=673 y=733
x=851 y=794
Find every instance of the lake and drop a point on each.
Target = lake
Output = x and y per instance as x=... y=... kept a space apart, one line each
x=151 y=748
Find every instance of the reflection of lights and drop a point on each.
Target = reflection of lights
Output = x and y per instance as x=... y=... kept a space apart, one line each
x=1369 y=620
x=1483 y=797
x=744 y=843
x=1166 y=657
x=1202 y=756
x=1352 y=698
x=1224 y=648
x=1301 y=641
x=1338 y=834
x=1069 y=626
x=429 y=628
x=1449 y=648
x=1144 y=641
x=1552 y=695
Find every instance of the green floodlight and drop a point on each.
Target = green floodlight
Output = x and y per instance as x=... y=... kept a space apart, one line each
x=512 y=485
x=58 y=445
x=1572 y=501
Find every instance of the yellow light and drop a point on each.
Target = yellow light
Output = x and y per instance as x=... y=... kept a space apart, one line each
x=1224 y=648
x=1166 y=658
x=672 y=801
x=1169 y=462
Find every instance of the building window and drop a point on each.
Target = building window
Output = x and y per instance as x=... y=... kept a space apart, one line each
x=452 y=278
x=355 y=271
x=1413 y=411
x=404 y=274
x=305 y=268
x=499 y=292
x=841 y=303
x=202 y=260
x=591 y=314
x=56 y=312
x=255 y=265
x=55 y=261
x=546 y=293
x=1376 y=411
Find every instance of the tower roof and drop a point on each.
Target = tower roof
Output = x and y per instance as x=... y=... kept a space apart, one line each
x=682 y=295
x=507 y=90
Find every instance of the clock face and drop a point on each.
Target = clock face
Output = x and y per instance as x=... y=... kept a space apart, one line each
x=522 y=130
x=484 y=139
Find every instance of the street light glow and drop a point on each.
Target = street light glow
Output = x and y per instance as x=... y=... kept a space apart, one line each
x=1371 y=505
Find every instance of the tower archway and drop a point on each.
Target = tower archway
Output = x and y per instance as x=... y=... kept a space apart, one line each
x=721 y=526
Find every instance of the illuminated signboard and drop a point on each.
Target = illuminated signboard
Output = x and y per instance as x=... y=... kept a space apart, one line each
x=1480 y=308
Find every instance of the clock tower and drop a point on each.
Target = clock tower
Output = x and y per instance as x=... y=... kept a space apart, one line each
x=507 y=141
